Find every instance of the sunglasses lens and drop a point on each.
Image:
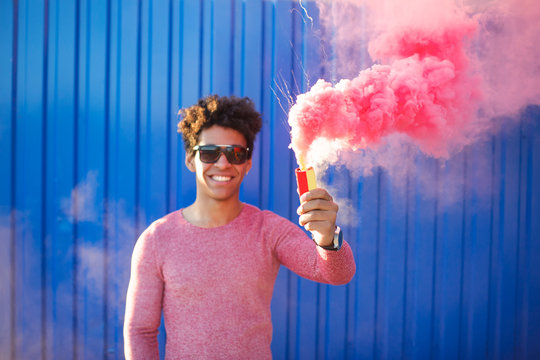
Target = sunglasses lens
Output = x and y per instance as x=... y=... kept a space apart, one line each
x=210 y=154
x=236 y=154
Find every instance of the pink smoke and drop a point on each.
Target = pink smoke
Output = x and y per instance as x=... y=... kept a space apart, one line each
x=428 y=84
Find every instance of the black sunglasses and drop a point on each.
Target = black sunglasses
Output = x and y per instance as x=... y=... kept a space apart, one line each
x=210 y=154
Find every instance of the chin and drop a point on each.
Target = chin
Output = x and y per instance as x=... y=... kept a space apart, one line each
x=223 y=196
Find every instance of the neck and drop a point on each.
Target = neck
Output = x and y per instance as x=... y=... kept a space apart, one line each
x=209 y=214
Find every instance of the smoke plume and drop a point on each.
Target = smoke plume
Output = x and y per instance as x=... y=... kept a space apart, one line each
x=441 y=71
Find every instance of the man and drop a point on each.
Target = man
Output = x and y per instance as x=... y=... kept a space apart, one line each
x=211 y=266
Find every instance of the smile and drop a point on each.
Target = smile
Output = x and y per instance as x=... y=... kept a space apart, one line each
x=219 y=178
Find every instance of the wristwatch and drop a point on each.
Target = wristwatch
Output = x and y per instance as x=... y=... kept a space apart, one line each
x=337 y=242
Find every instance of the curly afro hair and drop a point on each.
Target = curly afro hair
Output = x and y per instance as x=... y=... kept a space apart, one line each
x=226 y=111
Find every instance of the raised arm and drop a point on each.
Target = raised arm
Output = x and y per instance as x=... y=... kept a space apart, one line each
x=307 y=257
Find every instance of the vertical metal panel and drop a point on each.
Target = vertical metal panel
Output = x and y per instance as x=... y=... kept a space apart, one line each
x=89 y=156
x=8 y=46
x=476 y=261
x=418 y=325
x=248 y=79
x=190 y=74
x=530 y=303
x=90 y=194
x=28 y=175
x=60 y=179
x=122 y=205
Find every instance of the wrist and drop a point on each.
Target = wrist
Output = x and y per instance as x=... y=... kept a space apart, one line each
x=334 y=243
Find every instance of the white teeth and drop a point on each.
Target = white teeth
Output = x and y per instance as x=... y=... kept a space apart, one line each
x=221 y=178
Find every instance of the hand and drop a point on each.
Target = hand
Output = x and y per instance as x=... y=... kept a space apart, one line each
x=318 y=213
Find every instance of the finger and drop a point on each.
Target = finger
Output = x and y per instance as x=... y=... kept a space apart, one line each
x=322 y=227
x=317 y=215
x=317 y=193
x=317 y=204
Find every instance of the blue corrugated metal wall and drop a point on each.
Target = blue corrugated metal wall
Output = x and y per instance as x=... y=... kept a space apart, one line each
x=89 y=156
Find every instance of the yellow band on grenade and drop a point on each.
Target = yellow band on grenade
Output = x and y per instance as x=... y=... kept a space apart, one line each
x=306 y=180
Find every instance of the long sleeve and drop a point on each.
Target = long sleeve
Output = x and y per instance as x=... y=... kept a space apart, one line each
x=301 y=255
x=144 y=301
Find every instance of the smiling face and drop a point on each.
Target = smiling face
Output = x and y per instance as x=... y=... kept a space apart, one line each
x=219 y=181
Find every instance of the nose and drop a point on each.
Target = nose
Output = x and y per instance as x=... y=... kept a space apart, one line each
x=222 y=161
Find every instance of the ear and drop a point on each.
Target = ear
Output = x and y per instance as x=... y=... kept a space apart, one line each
x=248 y=166
x=190 y=162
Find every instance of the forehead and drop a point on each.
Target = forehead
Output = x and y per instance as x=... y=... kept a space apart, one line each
x=219 y=135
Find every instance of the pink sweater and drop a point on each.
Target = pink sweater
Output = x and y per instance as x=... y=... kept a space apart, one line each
x=215 y=284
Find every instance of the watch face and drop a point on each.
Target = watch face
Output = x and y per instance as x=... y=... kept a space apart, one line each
x=338 y=238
